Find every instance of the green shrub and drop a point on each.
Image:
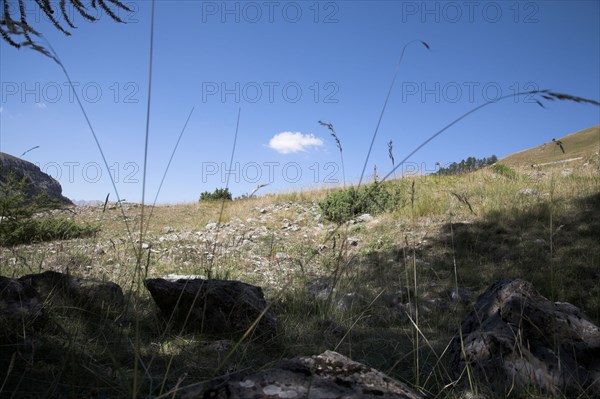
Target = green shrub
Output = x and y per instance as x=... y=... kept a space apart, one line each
x=32 y=230
x=505 y=171
x=19 y=225
x=218 y=194
x=342 y=205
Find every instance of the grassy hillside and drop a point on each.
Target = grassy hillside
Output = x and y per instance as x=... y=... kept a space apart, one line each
x=448 y=233
x=584 y=144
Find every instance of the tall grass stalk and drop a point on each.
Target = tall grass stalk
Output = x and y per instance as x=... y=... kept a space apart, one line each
x=391 y=155
x=138 y=346
x=544 y=94
x=339 y=146
x=55 y=57
x=223 y=201
x=162 y=180
x=387 y=98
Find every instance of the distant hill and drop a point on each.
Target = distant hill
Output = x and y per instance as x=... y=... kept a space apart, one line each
x=37 y=182
x=581 y=145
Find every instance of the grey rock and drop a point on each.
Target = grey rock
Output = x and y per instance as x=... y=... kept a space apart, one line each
x=528 y=192
x=517 y=339
x=167 y=230
x=460 y=294
x=175 y=277
x=395 y=295
x=211 y=225
x=364 y=218
x=328 y=375
x=352 y=241
x=21 y=310
x=350 y=301
x=282 y=256
x=213 y=306
x=319 y=289
x=90 y=294
x=566 y=172
x=37 y=182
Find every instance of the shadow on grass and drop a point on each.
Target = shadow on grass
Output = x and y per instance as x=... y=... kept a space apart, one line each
x=557 y=251
x=370 y=316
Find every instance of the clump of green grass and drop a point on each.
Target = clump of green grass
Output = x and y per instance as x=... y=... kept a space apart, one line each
x=505 y=171
x=31 y=230
x=342 y=205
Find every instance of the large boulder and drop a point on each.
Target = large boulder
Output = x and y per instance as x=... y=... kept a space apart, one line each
x=36 y=182
x=21 y=310
x=90 y=294
x=213 y=306
x=328 y=375
x=516 y=339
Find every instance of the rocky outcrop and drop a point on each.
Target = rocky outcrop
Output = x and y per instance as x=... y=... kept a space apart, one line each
x=90 y=294
x=37 y=183
x=21 y=311
x=328 y=375
x=515 y=338
x=213 y=306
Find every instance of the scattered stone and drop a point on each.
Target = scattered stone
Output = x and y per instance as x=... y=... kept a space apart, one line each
x=365 y=218
x=213 y=306
x=328 y=375
x=323 y=247
x=460 y=294
x=282 y=256
x=517 y=339
x=352 y=241
x=221 y=345
x=91 y=294
x=395 y=295
x=175 y=277
x=211 y=225
x=351 y=300
x=167 y=230
x=566 y=172
x=319 y=289
x=528 y=192
x=21 y=310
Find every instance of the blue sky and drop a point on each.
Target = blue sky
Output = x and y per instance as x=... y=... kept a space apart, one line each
x=285 y=65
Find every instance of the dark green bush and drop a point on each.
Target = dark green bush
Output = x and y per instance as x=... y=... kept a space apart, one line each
x=342 y=205
x=19 y=225
x=33 y=230
x=218 y=194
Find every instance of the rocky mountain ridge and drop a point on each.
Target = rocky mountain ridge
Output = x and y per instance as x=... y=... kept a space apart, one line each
x=37 y=183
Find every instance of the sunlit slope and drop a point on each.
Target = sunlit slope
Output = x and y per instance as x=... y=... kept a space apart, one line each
x=583 y=145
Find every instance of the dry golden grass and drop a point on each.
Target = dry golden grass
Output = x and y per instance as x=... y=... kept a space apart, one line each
x=584 y=144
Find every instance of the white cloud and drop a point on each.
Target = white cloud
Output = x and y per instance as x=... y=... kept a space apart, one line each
x=290 y=142
x=41 y=105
